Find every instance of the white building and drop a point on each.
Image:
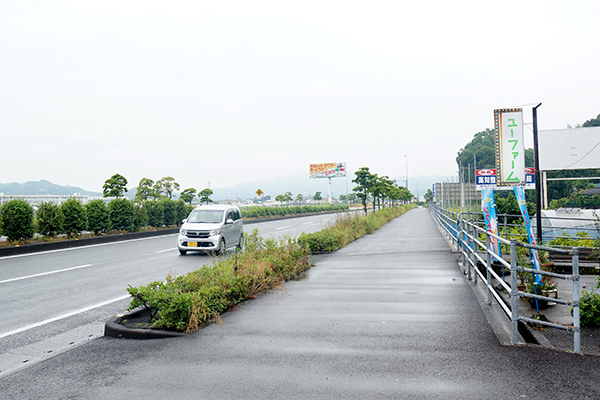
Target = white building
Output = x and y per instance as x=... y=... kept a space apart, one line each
x=36 y=199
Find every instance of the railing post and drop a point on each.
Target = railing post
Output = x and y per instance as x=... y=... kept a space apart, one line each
x=470 y=237
x=475 y=249
x=514 y=292
x=488 y=275
x=576 y=308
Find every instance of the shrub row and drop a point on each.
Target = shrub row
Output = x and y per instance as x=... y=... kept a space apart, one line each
x=187 y=302
x=261 y=212
x=19 y=221
x=348 y=229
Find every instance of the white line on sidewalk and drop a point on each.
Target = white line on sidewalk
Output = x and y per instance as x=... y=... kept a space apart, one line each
x=58 y=318
x=46 y=273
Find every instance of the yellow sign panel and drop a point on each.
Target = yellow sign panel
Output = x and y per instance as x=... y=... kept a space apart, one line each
x=259 y=193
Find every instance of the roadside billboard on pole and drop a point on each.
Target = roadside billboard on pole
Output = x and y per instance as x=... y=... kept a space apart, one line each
x=510 y=149
x=328 y=170
x=486 y=178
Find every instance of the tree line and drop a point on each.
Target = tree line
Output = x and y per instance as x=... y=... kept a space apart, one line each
x=380 y=189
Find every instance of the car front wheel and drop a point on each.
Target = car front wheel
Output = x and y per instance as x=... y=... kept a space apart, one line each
x=221 y=250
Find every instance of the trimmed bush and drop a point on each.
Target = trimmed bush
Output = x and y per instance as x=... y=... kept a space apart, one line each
x=121 y=214
x=75 y=218
x=49 y=219
x=140 y=217
x=155 y=212
x=17 y=220
x=589 y=312
x=261 y=212
x=169 y=212
x=97 y=216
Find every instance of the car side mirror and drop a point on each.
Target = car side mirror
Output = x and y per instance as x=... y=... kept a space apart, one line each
x=183 y=221
x=229 y=221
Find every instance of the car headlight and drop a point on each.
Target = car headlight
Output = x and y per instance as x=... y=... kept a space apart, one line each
x=182 y=232
x=214 y=232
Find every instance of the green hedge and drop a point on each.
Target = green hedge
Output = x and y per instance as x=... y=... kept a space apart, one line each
x=265 y=212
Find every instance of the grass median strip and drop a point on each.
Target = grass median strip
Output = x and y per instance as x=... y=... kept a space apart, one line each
x=187 y=302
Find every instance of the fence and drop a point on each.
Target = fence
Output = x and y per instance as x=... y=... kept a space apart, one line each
x=467 y=235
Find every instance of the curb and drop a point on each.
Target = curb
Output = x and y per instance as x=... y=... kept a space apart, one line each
x=66 y=244
x=114 y=328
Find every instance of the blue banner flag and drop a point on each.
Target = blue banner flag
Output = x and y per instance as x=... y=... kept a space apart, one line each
x=533 y=254
x=490 y=214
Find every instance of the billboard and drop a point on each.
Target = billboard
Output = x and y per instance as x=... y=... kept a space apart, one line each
x=510 y=148
x=328 y=170
x=577 y=148
x=485 y=178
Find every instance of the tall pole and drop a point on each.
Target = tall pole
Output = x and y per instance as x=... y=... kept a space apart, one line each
x=538 y=183
x=406 y=158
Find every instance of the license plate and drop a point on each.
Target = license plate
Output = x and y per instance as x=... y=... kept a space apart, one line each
x=192 y=244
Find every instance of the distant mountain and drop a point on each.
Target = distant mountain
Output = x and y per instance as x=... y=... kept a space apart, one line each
x=299 y=183
x=42 y=187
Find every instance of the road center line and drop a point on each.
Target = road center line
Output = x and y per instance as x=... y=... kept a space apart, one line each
x=164 y=251
x=63 y=316
x=283 y=227
x=46 y=273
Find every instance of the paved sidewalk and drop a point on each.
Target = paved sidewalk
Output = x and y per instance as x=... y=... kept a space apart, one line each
x=389 y=316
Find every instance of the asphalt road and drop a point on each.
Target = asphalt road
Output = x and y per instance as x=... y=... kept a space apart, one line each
x=52 y=293
x=390 y=316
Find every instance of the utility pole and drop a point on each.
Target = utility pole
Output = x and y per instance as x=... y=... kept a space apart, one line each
x=538 y=183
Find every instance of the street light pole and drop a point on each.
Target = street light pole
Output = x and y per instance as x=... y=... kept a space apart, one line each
x=406 y=158
x=538 y=184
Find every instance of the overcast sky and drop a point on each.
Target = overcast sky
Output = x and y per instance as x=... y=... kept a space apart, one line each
x=232 y=91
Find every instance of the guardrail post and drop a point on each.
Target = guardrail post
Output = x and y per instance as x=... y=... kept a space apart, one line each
x=475 y=249
x=470 y=244
x=514 y=292
x=488 y=267
x=462 y=243
x=576 y=308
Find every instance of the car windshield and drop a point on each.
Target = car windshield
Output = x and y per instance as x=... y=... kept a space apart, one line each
x=206 y=216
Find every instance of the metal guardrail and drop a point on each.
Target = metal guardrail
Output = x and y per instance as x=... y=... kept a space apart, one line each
x=466 y=234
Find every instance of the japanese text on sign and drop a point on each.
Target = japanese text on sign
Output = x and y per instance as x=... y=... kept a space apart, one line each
x=510 y=150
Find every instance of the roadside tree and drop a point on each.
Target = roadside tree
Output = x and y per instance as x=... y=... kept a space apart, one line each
x=166 y=185
x=188 y=195
x=204 y=196
x=145 y=190
x=115 y=186
x=317 y=197
x=364 y=181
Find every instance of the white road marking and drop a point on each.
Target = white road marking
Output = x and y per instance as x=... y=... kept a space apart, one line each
x=46 y=273
x=283 y=227
x=58 y=318
x=164 y=251
x=309 y=223
x=87 y=246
